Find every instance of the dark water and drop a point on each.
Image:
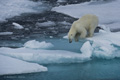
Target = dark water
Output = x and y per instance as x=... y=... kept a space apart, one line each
x=92 y=70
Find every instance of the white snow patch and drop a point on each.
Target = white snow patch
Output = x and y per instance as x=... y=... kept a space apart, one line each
x=61 y=1
x=37 y=45
x=6 y=33
x=65 y=37
x=10 y=65
x=64 y=23
x=17 y=26
x=45 y=24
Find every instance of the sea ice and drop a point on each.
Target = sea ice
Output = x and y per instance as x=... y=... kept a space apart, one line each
x=44 y=56
x=45 y=24
x=17 y=26
x=37 y=45
x=10 y=65
x=6 y=33
x=104 y=44
x=87 y=49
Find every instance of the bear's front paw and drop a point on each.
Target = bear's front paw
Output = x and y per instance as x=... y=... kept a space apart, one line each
x=76 y=40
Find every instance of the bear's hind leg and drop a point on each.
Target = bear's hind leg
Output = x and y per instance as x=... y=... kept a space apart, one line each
x=91 y=32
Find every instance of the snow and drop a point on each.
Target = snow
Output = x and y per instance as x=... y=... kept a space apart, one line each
x=64 y=23
x=44 y=56
x=6 y=33
x=65 y=37
x=108 y=13
x=45 y=24
x=17 y=26
x=10 y=8
x=10 y=65
x=112 y=37
x=61 y=1
x=37 y=45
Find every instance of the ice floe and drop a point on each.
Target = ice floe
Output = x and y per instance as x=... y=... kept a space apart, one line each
x=17 y=26
x=45 y=24
x=87 y=49
x=38 y=45
x=106 y=44
x=10 y=65
x=6 y=33
x=44 y=56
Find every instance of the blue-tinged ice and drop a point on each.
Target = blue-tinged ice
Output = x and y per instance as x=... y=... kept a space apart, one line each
x=45 y=56
x=38 y=45
x=10 y=65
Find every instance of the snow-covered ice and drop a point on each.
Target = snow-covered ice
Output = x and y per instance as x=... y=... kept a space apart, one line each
x=6 y=33
x=105 y=44
x=61 y=1
x=112 y=37
x=10 y=65
x=108 y=13
x=44 y=56
x=17 y=26
x=45 y=24
x=10 y=8
x=38 y=45
x=64 y=23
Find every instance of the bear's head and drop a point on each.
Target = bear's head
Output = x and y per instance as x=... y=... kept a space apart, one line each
x=71 y=35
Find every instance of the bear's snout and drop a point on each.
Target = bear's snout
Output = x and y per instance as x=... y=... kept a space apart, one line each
x=70 y=41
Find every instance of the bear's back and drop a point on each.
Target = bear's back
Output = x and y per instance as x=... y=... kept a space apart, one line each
x=88 y=20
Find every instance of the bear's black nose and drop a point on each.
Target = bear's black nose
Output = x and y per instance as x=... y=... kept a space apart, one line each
x=70 y=41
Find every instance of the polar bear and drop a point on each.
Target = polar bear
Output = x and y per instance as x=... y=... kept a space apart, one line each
x=83 y=27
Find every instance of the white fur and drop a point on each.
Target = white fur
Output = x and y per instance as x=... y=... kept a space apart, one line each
x=83 y=27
